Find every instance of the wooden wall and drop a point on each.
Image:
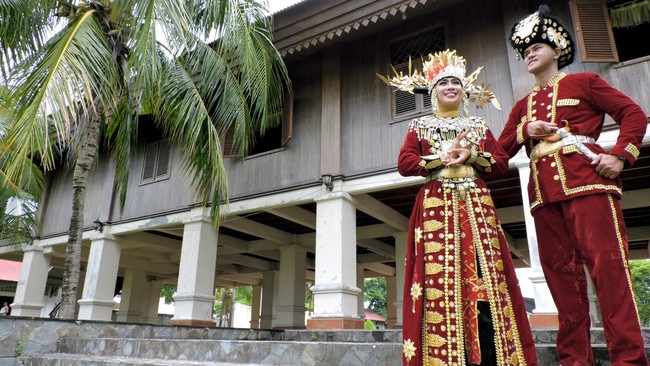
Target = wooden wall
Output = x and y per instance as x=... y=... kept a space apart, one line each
x=369 y=139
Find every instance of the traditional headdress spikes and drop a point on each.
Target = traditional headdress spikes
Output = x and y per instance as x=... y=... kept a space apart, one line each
x=539 y=27
x=441 y=65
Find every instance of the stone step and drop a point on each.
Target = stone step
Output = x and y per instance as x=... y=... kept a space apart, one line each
x=240 y=351
x=65 y=359
x=56 y=342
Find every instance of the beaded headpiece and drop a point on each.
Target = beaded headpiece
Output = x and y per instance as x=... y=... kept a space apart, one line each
x=439 y=66
x=539 y=27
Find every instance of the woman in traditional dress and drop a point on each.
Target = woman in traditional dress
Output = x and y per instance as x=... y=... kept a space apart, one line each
x=462 y=303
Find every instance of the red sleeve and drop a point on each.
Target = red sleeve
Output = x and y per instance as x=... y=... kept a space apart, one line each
x=625 y=112
x=514 y=134
x=410 y=156
x=500 y=167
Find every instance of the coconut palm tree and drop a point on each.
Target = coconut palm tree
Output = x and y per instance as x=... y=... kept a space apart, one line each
x=79 y=70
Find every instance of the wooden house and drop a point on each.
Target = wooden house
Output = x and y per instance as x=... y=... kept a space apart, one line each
x=319 y=200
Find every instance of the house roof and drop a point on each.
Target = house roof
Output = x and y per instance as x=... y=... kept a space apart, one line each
x=371 y=315
x=308 y=24
x=10 y=270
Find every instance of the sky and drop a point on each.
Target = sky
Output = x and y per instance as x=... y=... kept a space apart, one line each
x=277 y=5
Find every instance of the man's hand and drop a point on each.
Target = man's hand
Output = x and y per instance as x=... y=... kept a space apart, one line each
x=540 y=130
x=608 y=166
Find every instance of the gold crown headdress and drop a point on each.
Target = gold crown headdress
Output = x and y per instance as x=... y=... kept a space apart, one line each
x=441 y=65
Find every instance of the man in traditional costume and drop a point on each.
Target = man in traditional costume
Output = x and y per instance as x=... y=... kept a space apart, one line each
x=575 y=189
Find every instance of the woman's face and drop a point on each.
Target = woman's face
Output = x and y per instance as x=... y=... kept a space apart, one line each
x=449 y=90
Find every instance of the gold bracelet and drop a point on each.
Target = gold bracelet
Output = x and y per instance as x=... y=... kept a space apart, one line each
x=472 y=156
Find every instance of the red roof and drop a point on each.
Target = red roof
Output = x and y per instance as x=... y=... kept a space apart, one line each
x=371 y=315
x=10 y=270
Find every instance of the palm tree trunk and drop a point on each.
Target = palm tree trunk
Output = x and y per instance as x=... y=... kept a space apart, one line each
x=82 y=168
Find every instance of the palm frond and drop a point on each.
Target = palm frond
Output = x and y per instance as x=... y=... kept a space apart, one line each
x=69 y=76
x=24 y=27
x=186 y=119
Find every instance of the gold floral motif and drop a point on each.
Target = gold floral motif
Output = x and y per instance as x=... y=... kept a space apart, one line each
x=492 y=221
x=487 y=200
x=432 y=225
x=436 y=362
x=503 y=288
x=499 y=265
x=432 y=268
x=416 y=291
x=432 y=246
x=495 y=243
x=409 y=349
x=434 y=340
x=433 y=294
x=431 y=202
x=434 y=317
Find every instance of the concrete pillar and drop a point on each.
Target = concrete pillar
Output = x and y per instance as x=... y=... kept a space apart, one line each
x=266 y=314
x=290 y=309
x=194 y=297
x=545 y=313
x=151 y=311
x=400 y=255
x=256 y=307
x=136 y=292
x=594 y=307
x=391 y=295
x=28 y=300
x=335 y=290
x=362 y=290
x=101 y=275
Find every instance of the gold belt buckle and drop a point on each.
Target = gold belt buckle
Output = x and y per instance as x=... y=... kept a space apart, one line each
x=544 y=148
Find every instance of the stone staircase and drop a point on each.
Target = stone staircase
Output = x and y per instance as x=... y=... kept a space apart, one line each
x=41 y=342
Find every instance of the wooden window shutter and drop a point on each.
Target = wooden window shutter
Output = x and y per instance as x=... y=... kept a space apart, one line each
x=228 y=143
x=149 y=167
x=287 y=118
x=162 y=166
x=405 y=102
x=593 y=30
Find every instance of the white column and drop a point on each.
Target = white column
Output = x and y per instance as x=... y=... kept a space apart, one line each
x=266 y=314
x=101 y=275
x=335 y=290
x=290 y=310
x=594 y=307
x=194 y=297
x=400 y=256
x=136 y=291
x=28 y=300
x=543 y=300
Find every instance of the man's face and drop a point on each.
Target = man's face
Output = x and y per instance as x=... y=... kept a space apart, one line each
x=539 y=57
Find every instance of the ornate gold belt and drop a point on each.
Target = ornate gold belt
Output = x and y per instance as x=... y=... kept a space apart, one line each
x=453 y=172
x=544 y=148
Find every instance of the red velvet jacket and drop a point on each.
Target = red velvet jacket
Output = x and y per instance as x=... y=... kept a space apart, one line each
x=582 y=100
